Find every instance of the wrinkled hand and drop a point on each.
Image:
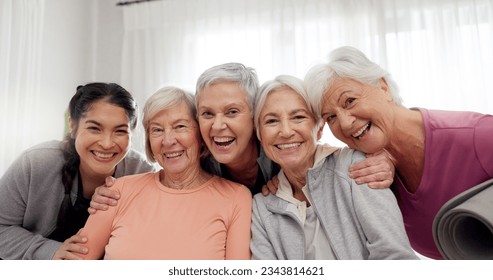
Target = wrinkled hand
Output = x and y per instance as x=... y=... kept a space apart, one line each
x=69 y=247
x=271 y=186
x=103 y=197
x=377 y=170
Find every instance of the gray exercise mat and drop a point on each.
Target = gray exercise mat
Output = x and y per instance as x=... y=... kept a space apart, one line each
x=463 y=228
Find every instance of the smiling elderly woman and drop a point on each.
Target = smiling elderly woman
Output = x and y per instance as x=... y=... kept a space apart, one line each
x=437 y=154
x=319 y=212
x=180 y=212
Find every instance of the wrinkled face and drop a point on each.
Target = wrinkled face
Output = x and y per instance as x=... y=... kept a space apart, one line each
x=287 y=130
x=102 y=138
x=359 y=115
x=226 y=122
x=175 y=141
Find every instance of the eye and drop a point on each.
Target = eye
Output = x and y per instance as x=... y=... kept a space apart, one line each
x=93 y=128
x=121 y=132
x=349 y=101
x=180 y=128
x=270 y=121
x=299 y=117
x=330 y=119
x=206 y=115
x=156 y=131
x=232 y=112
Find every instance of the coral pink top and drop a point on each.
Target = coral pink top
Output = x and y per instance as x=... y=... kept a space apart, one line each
x=152 y=221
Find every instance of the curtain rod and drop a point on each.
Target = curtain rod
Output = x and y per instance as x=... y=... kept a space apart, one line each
x=126 y=3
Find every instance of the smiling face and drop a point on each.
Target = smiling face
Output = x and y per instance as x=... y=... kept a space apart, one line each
x=102 y=138
x=288 y=130
x=175 y=140
x=226 y=122
x=358 y=114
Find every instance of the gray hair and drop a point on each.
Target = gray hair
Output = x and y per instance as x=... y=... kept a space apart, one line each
x=345 y=62
x=282 y=81
x=246 y=77
x=163 y=99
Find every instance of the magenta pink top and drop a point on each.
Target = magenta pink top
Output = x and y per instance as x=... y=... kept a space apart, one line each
x=458 y=156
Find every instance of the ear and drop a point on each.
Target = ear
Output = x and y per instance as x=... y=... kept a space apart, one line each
x=382 y=84
x=320 y=131
x=72 y=126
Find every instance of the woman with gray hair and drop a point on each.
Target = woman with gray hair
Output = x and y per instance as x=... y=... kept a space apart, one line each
x=179 y=212
x=437 y=154
x=318 y=212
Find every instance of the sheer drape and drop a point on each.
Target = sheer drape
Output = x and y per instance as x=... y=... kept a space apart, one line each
x=440 y=52
x=21 y=29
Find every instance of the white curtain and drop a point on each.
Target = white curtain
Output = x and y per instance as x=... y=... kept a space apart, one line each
x=21 y=30
x=440 y=52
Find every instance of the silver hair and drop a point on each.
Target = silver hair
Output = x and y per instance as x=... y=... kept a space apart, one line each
x=345 y=62
x=163 y=99
x=246 y=77
x=282 y=81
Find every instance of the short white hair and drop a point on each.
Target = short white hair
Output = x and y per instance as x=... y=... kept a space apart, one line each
x=345 y=62
x=282 y=81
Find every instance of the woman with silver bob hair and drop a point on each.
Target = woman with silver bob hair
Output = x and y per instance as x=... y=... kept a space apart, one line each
x=437 y=154
x=179 y=212
x=318 y=212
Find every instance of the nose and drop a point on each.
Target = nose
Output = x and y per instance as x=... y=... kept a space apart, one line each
x=345 y=119
x=106 y=142
x=285 y=129
x=169 y=138
x=218 y=123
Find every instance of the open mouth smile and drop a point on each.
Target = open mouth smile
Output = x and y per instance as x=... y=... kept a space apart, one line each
x=362 y=131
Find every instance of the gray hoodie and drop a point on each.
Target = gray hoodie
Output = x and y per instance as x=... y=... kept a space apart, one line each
x=360 y=222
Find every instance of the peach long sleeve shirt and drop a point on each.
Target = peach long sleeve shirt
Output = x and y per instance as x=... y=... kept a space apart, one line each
x=152 y=221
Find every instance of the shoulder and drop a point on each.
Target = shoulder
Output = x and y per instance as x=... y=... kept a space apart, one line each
x=46 y=155
x=340 y=161
x=134 y=183
x=454 y=119
x=230 y=188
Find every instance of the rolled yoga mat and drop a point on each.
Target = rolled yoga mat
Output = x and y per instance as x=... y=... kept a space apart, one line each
x=463 y=228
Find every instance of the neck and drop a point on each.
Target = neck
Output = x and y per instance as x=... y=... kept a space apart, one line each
x=245 y=170
x=409 y=139
x=191 y=178
x=91 y=181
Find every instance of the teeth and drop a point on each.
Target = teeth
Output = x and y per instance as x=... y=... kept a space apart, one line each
x=287 y=146
x=223 y=139
x=103 y=155
x=174 y=155
x=360 y=132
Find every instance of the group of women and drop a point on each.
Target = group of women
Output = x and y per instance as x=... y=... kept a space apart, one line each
x=216 y=149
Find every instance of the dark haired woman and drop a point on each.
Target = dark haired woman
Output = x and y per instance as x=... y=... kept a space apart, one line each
x=45 y=193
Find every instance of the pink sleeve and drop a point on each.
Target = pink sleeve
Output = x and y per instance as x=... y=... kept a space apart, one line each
x=483 y=139
x=98 y=229
x=238 y=238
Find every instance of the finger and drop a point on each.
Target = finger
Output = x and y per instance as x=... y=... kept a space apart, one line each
x=375 y=177
x=91 y=210
x=97 y=206
x=370 y=170
x=76 y=239
x=109 y=181
x=380 y=185
x=71 y=256
x=265 y=190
